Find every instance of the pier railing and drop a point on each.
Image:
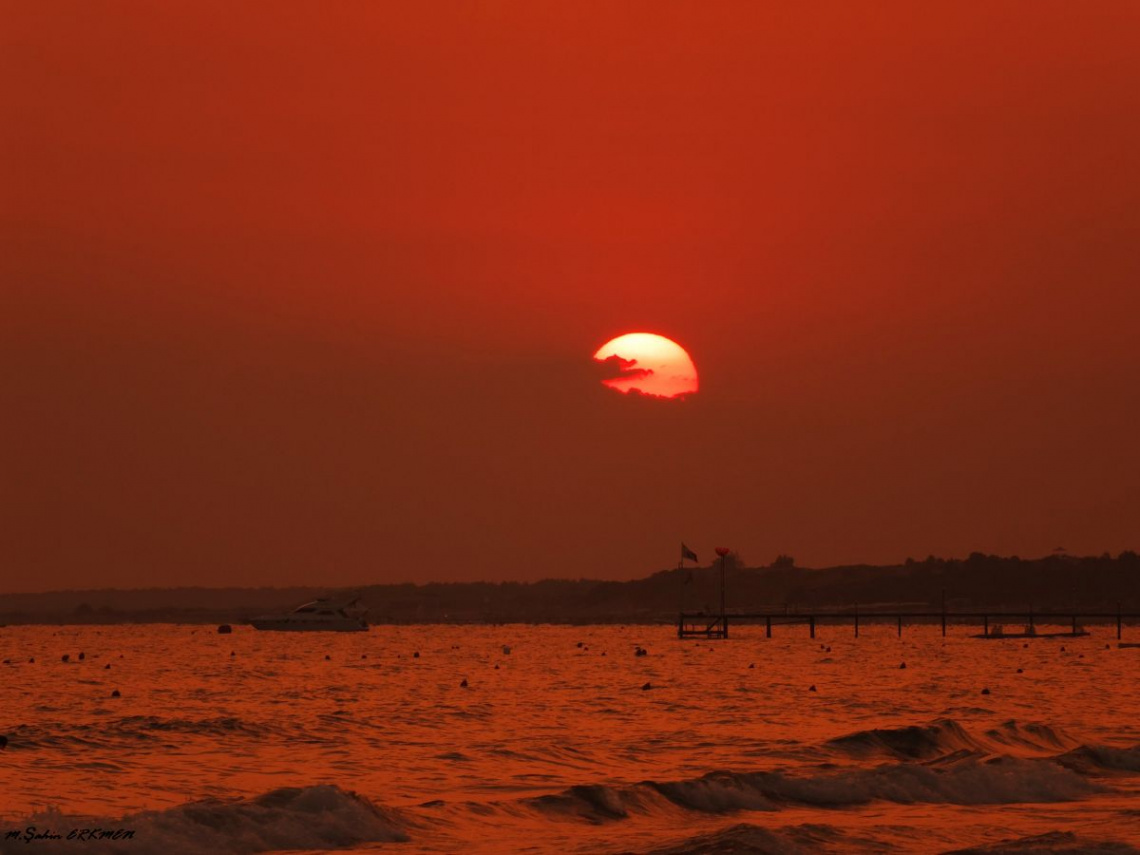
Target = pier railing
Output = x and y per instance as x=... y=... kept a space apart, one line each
x=706 y=625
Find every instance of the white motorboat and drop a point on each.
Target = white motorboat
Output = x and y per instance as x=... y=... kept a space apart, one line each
x=323 y=615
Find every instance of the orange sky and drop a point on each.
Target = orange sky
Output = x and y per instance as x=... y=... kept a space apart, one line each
x=308 y=292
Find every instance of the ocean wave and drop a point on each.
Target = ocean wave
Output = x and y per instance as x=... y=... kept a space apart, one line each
x=593 y=802
x=1051 y=843
x=310 y=818
x=946 y=741
x=132 y=729
x=914 y=742
x=745 y=839
x=996 y=781
x=938 y=763
x=948 y=738
x=972 y=781
x=218 y=726
x=1094 y=759
x=1034 y=737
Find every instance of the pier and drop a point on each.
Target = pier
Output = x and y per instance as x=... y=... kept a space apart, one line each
x=715 y=626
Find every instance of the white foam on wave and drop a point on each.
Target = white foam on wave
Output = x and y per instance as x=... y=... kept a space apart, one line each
x=316 y=818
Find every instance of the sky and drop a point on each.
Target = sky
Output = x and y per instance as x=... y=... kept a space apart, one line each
x=303 y=293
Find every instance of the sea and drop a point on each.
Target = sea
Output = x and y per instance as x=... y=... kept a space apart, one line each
x=171 y=739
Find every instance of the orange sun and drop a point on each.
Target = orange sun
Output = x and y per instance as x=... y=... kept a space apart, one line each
x=650 y=364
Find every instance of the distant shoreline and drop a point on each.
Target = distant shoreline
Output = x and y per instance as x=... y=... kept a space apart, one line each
x=1059 y=619
x=980 y=582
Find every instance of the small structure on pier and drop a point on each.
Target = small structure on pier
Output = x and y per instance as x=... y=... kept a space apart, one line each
x=702 y=626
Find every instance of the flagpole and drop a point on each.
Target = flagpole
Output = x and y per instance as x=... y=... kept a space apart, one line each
x=723 y=551
x=723 y=559
x=681 y=581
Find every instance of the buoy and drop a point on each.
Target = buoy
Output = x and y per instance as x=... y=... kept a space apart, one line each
x=579 y=645
x=647 y=687
x=66 y=657
x=115 y=694
x=107 y=667
x=506 y=650
x=232 y=653
x=1062 y=648
x=3 y=742
x=1020 y=671
x=416 y=655
x=751 y=665
x=811 y=688
x=32 y=660
x=496 y=667
x=985 y=691
x=902 y=666
x=327 y=658
x=363 y=655
x=463 y=685
x=82 y=656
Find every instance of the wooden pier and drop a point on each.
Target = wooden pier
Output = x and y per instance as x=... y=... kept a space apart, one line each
x=715 y=626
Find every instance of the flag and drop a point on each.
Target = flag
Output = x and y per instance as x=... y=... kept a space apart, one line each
x=688 y=553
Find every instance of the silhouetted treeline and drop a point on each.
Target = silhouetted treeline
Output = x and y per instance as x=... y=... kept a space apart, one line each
x=979 y=581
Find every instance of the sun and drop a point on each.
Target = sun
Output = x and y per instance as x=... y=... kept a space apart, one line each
x=650 y=364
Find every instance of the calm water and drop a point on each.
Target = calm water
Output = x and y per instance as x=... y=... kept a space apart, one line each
x=269 y=741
